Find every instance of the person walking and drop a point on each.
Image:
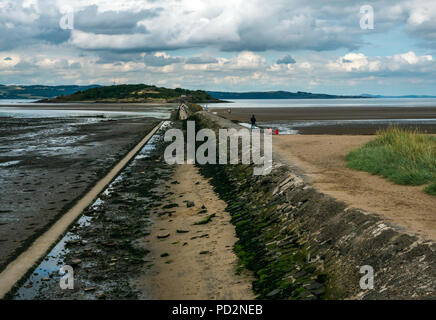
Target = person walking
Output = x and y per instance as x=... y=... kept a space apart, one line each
x=253 y=122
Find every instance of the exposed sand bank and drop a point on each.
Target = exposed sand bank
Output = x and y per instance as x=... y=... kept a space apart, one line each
x=322 y=157
x=328 y=113
x=200 y=263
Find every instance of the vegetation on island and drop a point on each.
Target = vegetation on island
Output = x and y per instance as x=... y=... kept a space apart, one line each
x=135 y=93
x=406 y=157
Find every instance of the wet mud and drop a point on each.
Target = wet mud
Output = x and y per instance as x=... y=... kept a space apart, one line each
x=46 y=164
x=106 y=246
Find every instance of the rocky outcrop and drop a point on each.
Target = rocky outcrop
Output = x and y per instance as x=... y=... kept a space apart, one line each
x=303 y=244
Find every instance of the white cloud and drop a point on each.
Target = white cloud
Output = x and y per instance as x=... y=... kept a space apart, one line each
x=247 y=60
x=411 y=58
x=8 y=61
x=232 y=26
x=358 y=62
x=354 y=62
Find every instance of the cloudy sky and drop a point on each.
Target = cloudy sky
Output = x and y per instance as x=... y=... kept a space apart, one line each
x=305 y=45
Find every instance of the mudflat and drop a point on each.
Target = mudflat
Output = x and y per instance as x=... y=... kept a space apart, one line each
x=87 y=106
x=322 y=158
x=337 y=120
x=47 y=164
x=328 y=113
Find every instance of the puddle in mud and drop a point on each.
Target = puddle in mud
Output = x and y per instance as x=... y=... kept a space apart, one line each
x=48 y=271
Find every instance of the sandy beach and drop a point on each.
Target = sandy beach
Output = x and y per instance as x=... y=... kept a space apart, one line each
x=322 y=159
x=200 y=262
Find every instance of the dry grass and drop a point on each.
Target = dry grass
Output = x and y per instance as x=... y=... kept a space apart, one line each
x=406 y=157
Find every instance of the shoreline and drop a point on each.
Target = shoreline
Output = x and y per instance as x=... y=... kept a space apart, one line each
x=327 y=113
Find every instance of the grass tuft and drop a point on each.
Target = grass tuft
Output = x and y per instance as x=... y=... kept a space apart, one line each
x=431 y=189
x=406 y=157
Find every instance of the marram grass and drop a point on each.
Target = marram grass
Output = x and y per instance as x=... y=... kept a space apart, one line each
x=406 y=157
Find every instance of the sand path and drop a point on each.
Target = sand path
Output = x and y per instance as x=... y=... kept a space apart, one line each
x=185 y=273
x=322 y=158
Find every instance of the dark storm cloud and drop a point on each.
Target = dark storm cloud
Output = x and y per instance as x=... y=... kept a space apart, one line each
x=48 y=29
x=112 y=56
x=75 y=65
x=286 y=60
x=23 y=27
x=160 y=61
x=201 y=60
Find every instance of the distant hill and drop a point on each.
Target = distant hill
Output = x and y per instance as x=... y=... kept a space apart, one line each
x=134 y=93
x=38 y=91
x=275 y=95
x=399 y=97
